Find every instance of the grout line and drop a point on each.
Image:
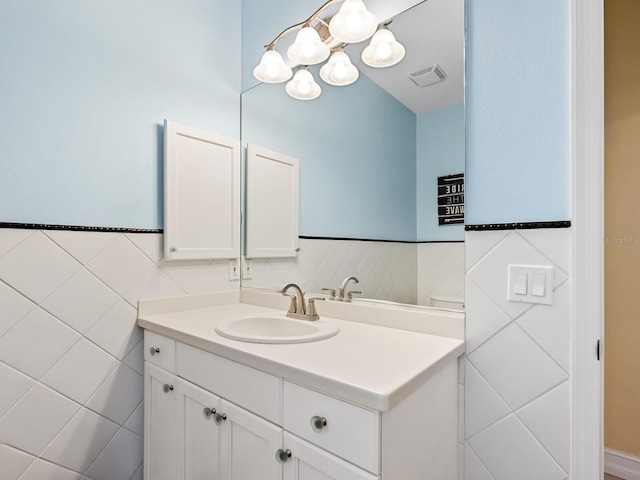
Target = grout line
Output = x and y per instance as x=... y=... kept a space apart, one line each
x=543 y=349
x=479 y=460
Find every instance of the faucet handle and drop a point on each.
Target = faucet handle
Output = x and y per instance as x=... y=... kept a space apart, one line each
x=312 y=313
x=350 y=295
x=331 y=292
x=293 y=302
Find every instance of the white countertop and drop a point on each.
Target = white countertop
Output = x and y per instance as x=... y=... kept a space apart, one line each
x=371 y=365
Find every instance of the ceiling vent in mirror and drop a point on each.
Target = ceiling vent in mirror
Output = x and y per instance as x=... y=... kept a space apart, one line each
x=428 y=76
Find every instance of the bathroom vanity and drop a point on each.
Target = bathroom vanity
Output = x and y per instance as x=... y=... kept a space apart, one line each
x=372 y=402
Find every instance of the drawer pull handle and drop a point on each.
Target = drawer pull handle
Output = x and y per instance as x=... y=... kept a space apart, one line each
x=154 y=350
x=166 y=388
x=208 y=412
x=283 y=455
x=318 y=423
x=219 y=418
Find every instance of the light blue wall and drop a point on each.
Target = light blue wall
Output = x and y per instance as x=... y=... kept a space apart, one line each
x=518 y=111
x=357 y=152
x=439 y=152
x=84 y=89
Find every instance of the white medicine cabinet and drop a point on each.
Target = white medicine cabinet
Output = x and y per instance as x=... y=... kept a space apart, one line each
x=272 y=186
x=202 y=194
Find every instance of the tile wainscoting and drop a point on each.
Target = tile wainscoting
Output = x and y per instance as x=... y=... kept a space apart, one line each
x=71 y=359
x=71 y=356
x=394 y=271
x=517 y=377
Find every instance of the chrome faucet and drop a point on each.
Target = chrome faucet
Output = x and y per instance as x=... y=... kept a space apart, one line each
x=343 y=288
x=298 y=307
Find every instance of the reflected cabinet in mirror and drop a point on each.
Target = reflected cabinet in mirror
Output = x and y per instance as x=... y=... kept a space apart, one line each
x=370 y=156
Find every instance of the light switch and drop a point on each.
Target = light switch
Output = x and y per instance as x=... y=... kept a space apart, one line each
x=530 y=284
x=521 y=283
x=538 y=283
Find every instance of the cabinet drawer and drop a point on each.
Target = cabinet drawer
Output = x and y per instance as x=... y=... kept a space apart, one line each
x=160 y=351
x=351 y=432
x=256 y=391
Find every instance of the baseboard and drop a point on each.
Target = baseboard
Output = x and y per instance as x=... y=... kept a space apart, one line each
x=621 y=465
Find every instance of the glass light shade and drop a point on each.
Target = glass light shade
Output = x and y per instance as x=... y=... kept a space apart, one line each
x=272 y=68
x=353 y=23
x=339 y=70
x=308 y=49
x=303 y=86
x=383 y=51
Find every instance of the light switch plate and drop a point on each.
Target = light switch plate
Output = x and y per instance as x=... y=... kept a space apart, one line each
x=515 y=283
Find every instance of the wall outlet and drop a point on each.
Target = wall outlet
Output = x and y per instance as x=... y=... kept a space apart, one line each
x=247 y=269
x=234 y=269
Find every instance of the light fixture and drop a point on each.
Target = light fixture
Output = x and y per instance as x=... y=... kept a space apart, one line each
x=353 y=23
x=384 y=50
x=339 y=70
x=316 y=38
x=303 y=86
x=272 y=68
x=308 y=49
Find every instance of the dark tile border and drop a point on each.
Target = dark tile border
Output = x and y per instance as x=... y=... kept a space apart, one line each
x=376 y=240
x=76 y=228
x=517 y=226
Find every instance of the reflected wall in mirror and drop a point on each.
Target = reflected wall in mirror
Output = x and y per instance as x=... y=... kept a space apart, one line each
x=370 y=155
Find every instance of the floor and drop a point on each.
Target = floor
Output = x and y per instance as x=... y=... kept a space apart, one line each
x=610 y=477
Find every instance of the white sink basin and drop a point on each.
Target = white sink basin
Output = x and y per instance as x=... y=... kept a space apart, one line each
x=275 y=328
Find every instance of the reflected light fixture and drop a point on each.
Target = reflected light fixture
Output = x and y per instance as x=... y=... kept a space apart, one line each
x=353 y=23
x=339 y=71
x=303 y=86
x=272 y=68
x=318 y=37
x=308 y=49
x=383 y=50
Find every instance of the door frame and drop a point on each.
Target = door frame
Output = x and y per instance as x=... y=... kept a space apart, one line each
x=587 y=120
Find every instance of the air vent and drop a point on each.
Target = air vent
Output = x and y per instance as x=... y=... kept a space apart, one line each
x=428 y=76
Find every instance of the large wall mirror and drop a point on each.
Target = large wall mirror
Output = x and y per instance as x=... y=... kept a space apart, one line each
x=370 y=155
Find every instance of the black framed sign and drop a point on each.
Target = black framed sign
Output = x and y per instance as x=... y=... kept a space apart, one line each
x=451 y=200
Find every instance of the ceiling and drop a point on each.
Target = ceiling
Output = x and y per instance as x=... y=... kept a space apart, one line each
x=433 y=33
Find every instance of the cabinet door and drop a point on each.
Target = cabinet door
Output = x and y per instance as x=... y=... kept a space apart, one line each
x=308 y=462
x=198 y=433
x=248 y=446
x=272 y=204
x=160 y=403
x=202 y=194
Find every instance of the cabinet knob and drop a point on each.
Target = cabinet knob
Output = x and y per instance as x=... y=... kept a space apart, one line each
x=208 y=412
x=166 y=388
x=173 y=249
x=283 y=455
x=220 y=417
x=318 y=423
x=154 y=350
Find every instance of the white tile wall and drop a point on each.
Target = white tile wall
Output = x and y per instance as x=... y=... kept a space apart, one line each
x=441 y=268
x=70 y=354
x=517 y=369
x=399 y=272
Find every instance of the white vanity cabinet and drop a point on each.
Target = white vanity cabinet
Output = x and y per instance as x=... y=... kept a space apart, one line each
x=210 y=417
x=198 y=435
x=160 y=425
x=191 y=433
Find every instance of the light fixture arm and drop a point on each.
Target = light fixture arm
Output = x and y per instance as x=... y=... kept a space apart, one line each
x=300 y=25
